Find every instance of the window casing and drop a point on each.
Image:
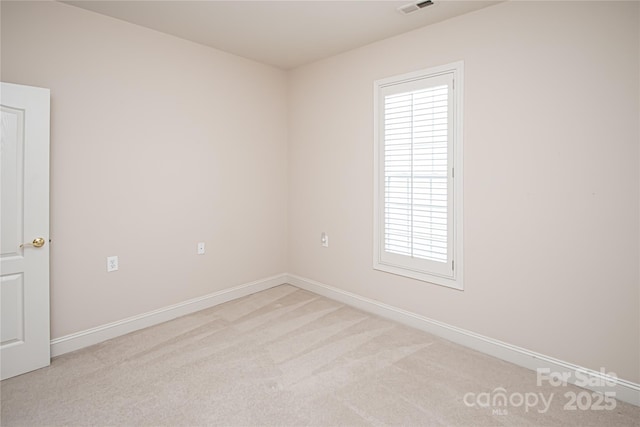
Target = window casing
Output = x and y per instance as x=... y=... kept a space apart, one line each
x=418 y=175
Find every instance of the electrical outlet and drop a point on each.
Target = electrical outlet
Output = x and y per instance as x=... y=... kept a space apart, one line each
x=201 y=248
x=112 y=263
x=324 y=239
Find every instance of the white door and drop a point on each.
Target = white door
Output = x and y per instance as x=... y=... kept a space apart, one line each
x=24 y=229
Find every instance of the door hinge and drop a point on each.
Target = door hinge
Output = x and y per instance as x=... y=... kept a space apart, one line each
x=453 y=172
x=451 y=264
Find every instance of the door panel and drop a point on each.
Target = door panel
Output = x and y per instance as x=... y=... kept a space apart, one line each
x=12 y=164
x=12 y=309
x=24 y=216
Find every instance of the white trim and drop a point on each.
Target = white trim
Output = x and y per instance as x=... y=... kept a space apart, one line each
x=626 y=391
x=108 y=331
x=447 y=274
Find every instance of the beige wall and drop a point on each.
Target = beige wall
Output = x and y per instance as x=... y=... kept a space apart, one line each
x=156 y=144
x=551 y=176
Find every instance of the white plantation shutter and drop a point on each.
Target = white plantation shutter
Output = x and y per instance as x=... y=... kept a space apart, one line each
x=415 y=176
x=415 y=170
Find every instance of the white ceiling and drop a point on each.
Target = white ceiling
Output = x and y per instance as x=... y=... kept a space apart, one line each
x=285 y=34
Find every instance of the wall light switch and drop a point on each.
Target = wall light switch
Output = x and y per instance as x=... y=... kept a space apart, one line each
x=201 y=248
x=324 y=239
x=112 y=263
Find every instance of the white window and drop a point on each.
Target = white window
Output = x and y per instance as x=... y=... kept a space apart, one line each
x=418 y=175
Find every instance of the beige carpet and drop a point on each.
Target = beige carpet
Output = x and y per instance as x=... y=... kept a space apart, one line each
x=291 y=358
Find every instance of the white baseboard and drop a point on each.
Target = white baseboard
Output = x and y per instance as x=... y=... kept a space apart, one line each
x=102 y=333
x=625 y=391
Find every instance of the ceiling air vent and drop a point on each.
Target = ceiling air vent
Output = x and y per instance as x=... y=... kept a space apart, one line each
x=412 y=7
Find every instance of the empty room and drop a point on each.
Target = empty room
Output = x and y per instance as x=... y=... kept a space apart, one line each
x=327 y=213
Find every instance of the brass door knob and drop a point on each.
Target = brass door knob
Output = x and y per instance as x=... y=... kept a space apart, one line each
x=38 y=242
